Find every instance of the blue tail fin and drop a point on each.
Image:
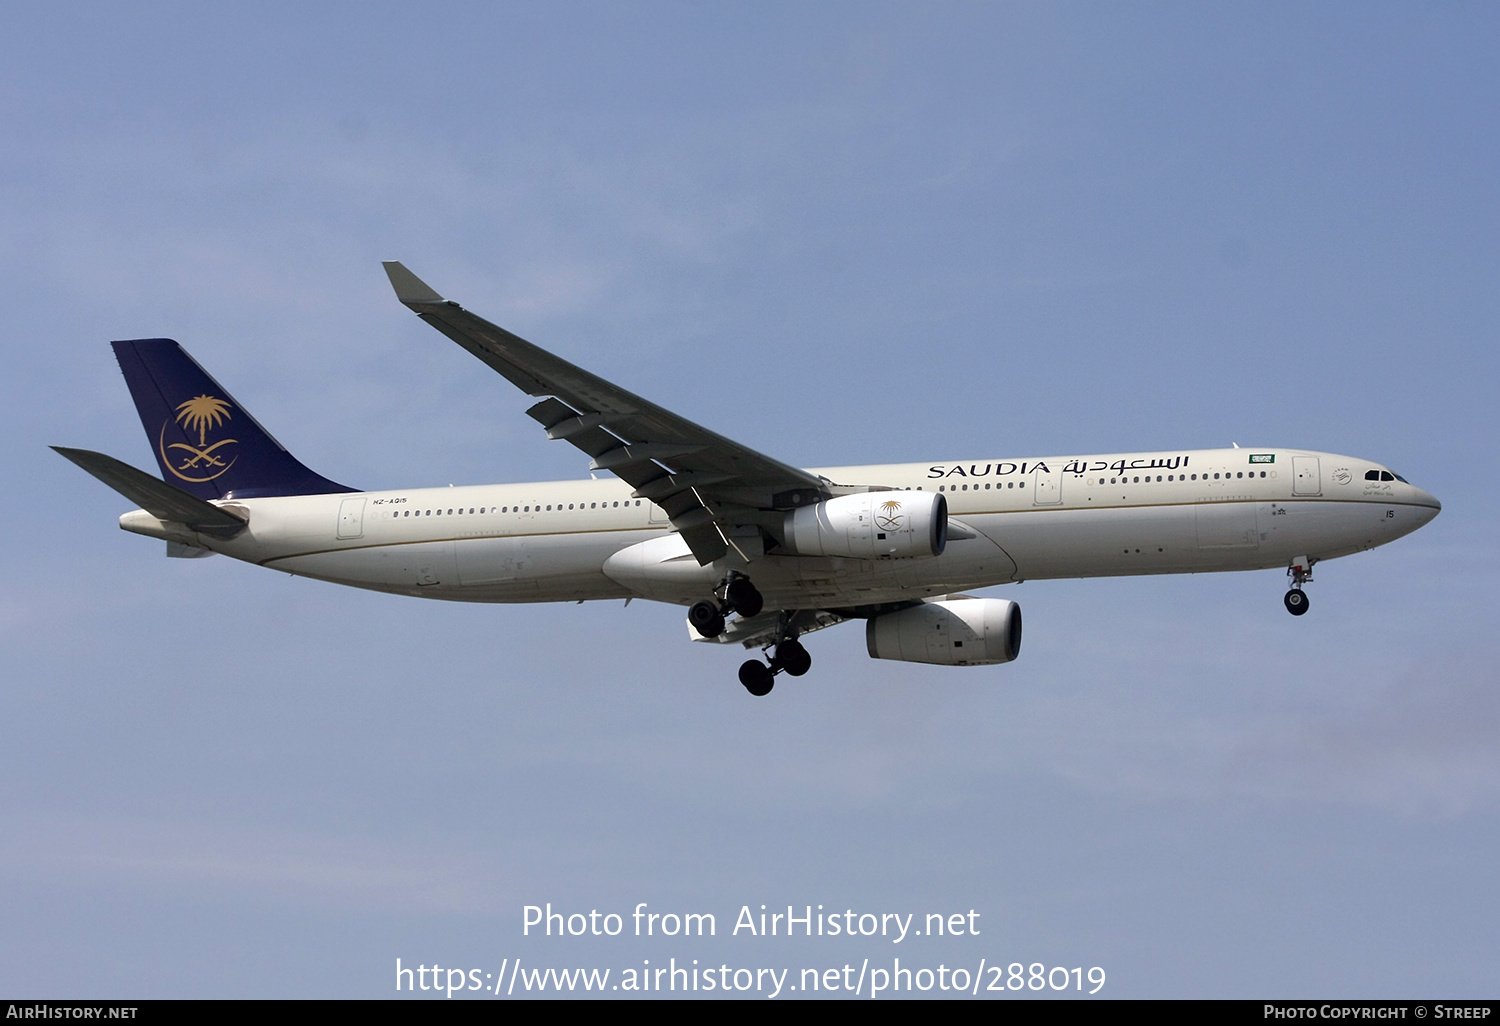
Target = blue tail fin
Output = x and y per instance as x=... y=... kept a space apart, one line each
x=205 y=442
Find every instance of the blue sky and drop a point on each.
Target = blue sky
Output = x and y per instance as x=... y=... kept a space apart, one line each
x=840 y=233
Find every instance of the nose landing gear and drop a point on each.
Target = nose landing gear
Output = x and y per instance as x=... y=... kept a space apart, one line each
x=1301 y=573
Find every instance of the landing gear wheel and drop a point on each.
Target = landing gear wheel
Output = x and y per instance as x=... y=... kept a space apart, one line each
x=757 y=677
x=793 y=658
x=706 y=619
x=1296 y=602
x=743 y=596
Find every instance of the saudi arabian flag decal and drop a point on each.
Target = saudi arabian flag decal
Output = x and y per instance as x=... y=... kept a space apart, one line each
x=1263 y=457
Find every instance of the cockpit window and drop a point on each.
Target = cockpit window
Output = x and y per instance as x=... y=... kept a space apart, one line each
x=1386 y=475
x=1372 y=475
x=1403 y=480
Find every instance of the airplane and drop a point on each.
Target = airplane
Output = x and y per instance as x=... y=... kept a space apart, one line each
x=761 y=553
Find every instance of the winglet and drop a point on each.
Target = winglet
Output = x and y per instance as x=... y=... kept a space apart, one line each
x=410 y=289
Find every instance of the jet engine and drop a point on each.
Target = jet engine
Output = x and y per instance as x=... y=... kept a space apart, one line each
x=870 y=525
x=948 y=632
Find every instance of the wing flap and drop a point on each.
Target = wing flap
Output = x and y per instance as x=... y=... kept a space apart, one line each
x=763 y=628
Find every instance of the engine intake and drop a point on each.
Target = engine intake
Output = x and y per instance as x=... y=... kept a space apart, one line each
x=948 y=632
x=870 y=525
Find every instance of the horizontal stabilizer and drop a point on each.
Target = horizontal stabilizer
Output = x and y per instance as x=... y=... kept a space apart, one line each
x=161 y=500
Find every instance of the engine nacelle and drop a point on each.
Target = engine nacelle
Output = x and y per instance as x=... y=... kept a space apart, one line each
x=871 y=525
x=948 y=632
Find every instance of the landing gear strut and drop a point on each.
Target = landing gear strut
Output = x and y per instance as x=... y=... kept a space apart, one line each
x=1301 y=573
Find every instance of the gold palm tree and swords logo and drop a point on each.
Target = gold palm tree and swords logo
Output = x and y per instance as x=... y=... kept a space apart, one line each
x=204 y=461
x=888 y=516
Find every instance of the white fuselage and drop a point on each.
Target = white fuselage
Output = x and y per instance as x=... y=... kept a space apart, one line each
x=1011 y=520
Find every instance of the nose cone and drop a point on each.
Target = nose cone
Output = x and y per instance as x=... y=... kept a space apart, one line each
x=1428 y=506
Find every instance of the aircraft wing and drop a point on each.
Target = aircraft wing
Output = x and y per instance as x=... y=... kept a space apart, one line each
x=707 y=484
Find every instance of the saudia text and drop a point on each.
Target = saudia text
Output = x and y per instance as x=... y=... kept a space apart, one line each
x=1075 y=466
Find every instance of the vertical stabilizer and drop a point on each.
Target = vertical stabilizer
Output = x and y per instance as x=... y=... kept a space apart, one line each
x=205 y=442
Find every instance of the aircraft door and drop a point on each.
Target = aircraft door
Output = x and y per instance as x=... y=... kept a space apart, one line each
x=1046 y=487
x=351 y=519
x=1306 y=479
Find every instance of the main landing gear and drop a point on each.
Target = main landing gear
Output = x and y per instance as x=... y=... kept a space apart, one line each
x=735 y=595
x=1301 y=573
x=788 y=656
